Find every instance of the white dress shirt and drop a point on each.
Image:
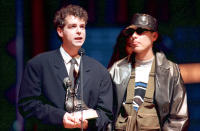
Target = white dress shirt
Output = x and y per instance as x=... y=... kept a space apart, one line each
x=66 y=57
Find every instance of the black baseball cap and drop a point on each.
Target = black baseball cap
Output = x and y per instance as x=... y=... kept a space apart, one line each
x=144 y=21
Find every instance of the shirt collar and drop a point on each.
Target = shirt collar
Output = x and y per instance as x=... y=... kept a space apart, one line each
x=67 y=57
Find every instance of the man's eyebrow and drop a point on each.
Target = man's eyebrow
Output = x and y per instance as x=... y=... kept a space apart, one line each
x=70 y=24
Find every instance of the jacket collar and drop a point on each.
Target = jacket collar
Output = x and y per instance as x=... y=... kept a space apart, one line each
x=160 y=57
x=86 y=64
x=59 y=65
x=161 y=60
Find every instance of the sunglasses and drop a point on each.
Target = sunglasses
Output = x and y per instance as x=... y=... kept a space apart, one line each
x=139 y=31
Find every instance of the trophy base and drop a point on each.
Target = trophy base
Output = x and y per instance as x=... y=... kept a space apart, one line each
x=87 y=114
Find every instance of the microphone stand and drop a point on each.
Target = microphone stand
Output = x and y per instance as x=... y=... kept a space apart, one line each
x=81 y=93
x=81 y=53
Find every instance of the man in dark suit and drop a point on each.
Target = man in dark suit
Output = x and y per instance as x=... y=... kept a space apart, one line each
x=43 y=95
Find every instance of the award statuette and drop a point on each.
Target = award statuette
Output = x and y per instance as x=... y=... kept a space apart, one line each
x=72 y=103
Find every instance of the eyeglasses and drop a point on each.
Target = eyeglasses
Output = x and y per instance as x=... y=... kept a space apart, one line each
x=139 y=31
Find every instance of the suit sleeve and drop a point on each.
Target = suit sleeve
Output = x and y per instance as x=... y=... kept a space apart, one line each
x=105 y=103
x=32 y=103
x=178 y=117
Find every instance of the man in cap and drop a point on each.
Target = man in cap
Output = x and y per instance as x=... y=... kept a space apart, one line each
x=149 y=88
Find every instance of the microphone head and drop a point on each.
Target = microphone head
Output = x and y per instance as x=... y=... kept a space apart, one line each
x=67 y=82
x=81 y=52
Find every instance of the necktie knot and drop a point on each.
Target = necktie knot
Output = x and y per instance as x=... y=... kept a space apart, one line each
x=73 y=61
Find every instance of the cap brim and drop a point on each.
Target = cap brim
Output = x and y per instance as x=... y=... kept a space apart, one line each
x=138 y=26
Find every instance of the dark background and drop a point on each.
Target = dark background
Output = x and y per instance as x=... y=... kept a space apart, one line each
x=26 y=29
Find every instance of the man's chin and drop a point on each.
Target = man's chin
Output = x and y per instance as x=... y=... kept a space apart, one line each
x=78 y=44
x=137 y=51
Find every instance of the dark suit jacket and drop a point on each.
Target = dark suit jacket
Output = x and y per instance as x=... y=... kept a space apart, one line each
x=42 y=94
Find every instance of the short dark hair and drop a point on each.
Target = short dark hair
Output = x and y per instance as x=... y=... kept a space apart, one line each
x=75 y=10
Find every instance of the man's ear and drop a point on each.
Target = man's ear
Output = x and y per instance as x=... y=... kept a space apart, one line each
x=60 y=32
x=155 y=36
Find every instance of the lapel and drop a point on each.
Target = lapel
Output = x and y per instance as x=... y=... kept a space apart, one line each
x=59 y=66
x=86 y=69
x=124 y=73
x=162 y=67
x=162 y=72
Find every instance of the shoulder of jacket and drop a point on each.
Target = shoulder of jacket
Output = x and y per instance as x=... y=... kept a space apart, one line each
x=121 y=61
x=42 y=57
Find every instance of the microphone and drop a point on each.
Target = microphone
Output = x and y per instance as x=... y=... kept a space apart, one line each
x=81 y=52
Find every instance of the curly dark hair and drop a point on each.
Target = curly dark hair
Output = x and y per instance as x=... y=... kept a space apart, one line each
x=75 y=10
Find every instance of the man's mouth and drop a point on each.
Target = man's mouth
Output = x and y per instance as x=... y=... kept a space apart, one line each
x=133 y=44
x=78 y=38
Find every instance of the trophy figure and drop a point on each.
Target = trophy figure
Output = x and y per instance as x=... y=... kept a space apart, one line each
x=72 y=103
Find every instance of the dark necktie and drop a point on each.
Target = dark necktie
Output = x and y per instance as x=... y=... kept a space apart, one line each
x=72 y=72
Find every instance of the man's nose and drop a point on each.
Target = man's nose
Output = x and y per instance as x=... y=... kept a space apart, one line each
x=134 y=34
x=78 y=30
